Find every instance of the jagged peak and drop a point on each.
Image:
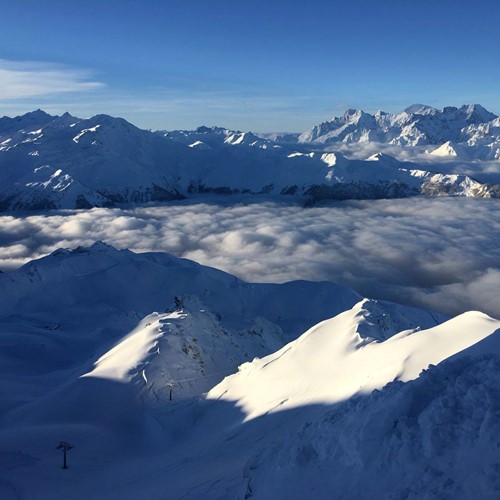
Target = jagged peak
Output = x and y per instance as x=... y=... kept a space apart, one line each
x=108 y=120
x=382 y=157
x=473 y=107
x=353 y=111
x=479 y=111
x=353 y=114
x=101 y=246
x=97 y=246
x=446 y=149
x=420 y=109
x=203 y=129
x=37 y=114
x=235 y=138
x=418 y=124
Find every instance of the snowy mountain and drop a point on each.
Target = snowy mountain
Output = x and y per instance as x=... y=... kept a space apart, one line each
x=67 y=162
x=471 y=126
x=95 y=340
x=215 y=137
x=80 y=163
x=435 y=437
x=416 y=125
x=58 y=286
x=146 y=319
x=362 y=349
x=448 y=149
x=30 y=121
x=483 y=139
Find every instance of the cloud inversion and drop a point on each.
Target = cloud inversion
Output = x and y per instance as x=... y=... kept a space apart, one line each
x=438 y=253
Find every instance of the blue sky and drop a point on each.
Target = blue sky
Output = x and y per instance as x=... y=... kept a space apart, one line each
x=260 y=65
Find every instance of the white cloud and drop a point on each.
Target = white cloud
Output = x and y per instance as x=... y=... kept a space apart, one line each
x=27 y=79
x=438 y=253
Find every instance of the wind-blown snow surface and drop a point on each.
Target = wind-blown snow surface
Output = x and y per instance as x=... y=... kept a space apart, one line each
x=436 y=437
x=437 y=253
x=348 y=355
x=85 y=358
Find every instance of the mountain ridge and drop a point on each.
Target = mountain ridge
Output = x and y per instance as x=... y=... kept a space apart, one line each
x=417 y=125
x=67 y=162
x=114 y=351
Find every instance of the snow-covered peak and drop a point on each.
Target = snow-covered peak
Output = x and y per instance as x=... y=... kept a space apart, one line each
x=432 y=437
x=29 y=121
x=347 y=355
x=477 y=114
x=448 y=149
x=149 y=281
x=203 y=129
x=418 y=124
x=420 y=109
x=353 y=115
x=85 y=358
x=353 y=126
x=383 y=157
x=243 y=138
x=187 y=348
x=98 y=246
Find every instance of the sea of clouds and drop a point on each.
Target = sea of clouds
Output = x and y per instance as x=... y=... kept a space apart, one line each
x=442 y=253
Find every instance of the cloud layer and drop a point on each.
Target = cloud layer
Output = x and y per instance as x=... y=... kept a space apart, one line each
x=439 y=253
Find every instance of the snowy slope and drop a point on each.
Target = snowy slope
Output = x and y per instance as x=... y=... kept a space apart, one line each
x=90 y=338
x=121 y=284
x=65 y=311
x=59 y=315
x=187 y=347
x=84 y=357
x=436 y=437
x=336 y=360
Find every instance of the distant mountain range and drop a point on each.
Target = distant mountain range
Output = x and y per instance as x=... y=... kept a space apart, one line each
x=49 y=162
x=471 y=125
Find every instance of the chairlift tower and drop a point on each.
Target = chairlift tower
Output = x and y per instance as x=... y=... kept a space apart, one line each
x=64 y=446
x=170 y=385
